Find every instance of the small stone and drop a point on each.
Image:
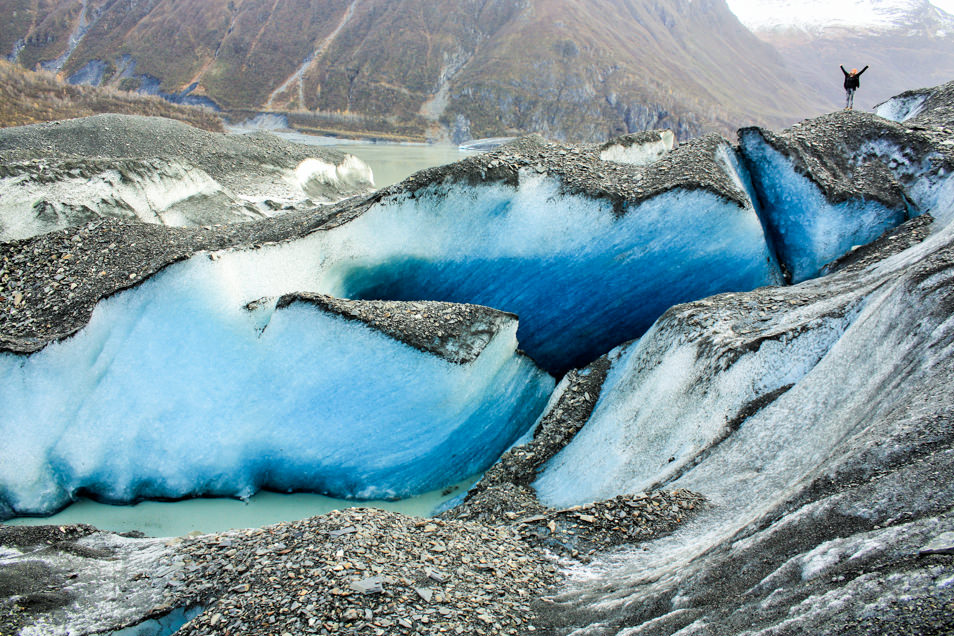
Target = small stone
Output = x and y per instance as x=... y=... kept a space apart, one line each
x=941 y=544
x=372 y=585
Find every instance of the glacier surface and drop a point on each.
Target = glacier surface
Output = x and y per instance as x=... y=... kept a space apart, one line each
x=300 y=398
x=814 y=418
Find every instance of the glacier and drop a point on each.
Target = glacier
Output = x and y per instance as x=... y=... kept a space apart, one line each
x=353 y=349
x=821 y=417
x=585 y=260
x=64 y=174
x=580 y=278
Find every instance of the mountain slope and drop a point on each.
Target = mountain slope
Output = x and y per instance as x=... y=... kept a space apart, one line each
x=28 y=98
x=460 y=68
x=907 y=43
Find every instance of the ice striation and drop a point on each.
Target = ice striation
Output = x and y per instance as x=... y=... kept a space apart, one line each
x=587 y=253
x=64 y=174
x=822 y=439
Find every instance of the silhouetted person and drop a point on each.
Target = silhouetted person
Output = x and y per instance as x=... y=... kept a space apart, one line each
x=851 y=84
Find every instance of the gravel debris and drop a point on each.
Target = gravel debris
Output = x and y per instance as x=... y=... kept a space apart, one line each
x=364 y=571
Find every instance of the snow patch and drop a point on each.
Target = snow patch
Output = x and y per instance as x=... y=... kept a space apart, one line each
x=817 y=16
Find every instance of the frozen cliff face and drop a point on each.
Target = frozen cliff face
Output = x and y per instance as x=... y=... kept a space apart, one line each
x=173 y=390
x=841 y=180
x=158 y=171
x=587 y=253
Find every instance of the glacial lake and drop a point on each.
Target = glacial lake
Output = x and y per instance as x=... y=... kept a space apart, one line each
x=177 y=518
x=390 y=164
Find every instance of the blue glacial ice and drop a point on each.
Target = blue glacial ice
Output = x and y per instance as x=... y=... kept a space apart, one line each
x=806 y=229
x=174 y=389
x=667 y=414
x=581 y=278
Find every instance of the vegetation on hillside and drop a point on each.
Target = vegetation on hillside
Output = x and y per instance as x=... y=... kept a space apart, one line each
x=28 y=97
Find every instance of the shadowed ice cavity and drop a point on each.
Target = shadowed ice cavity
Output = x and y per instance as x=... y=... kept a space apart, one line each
x=174 y=389
x=581 y=278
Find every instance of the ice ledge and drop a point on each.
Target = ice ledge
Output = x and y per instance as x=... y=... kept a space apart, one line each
x=456 y=332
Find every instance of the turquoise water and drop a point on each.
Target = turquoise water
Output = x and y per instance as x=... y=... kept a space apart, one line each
x=177 y=518
x=389 y=162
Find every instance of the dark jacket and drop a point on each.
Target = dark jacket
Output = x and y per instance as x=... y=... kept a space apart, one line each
x=852 y=81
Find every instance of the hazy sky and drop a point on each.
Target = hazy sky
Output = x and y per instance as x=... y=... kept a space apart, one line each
x=820 y=14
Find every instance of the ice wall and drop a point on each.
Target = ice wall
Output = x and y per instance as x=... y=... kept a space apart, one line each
x=174 y=389
x=806 y=228
x=581 y=278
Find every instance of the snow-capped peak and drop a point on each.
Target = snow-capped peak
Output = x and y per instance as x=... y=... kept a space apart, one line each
x=820 y=15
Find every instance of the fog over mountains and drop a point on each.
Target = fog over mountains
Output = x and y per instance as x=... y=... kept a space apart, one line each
x=423 y=68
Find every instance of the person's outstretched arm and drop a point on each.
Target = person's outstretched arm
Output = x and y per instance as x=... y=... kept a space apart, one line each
x=862 y=70
x=844 y=71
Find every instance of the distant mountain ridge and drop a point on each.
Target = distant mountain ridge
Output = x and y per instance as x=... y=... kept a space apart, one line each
x=907 y=43
x=455 y=69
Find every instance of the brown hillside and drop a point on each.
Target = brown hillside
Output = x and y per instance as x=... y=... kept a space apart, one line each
x=441 y=68
x=27 y=97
